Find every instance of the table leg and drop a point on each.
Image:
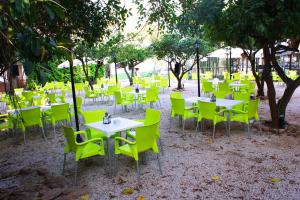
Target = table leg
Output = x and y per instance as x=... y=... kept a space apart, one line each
x=228 y=122
x=109 y=157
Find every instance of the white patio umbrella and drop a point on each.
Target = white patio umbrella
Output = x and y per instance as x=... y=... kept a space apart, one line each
x=76 y=62
x=222 y=53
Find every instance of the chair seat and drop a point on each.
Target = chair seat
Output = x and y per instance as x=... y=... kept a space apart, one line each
x=91 y=96
x=188 y=114
x=90 y=149
x=125 y=149
x=96 y=134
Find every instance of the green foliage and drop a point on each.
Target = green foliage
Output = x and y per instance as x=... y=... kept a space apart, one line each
x=22 y=36
x=160 y=13
x=131 y=55
x=177 y=48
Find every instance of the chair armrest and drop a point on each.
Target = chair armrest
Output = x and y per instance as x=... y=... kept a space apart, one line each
x=238 y=111
x=124 y=140
x=190 y=107
x=89 y=141
x=221 y=111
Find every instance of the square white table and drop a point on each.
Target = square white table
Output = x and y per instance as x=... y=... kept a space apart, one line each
x=237 y=85
x=117 y=124
x=227 y=103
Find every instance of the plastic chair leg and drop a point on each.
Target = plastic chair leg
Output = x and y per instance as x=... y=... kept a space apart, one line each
x=24 y=131
x=159 y=166
x=161 y=146
x=138 y=172
x=76 y=166
x=214 y=130
x=43 y=133
x=183 y=125
x=64 y=164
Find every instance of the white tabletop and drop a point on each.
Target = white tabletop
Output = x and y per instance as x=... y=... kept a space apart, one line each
x=216 y=81
x=117 y=124
x=228 y=103
x=43 y=108
x=237 y=84
x=141 y=92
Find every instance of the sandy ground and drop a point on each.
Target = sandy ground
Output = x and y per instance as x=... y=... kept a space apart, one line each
x=267 y=166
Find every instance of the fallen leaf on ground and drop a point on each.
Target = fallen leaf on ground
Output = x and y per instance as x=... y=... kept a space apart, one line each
x=209 y=141
x=215 y=178
x=275 y=180
x=127 y=191
x=85 y=197
x=141 y=197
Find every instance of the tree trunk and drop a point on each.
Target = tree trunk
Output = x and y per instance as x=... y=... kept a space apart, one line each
x=98 y=66
x=283 y=102
x=271 y=89
x=179 y=85
x=128 y=76
x=132 y=75
x=86 y=73
x=259 y=80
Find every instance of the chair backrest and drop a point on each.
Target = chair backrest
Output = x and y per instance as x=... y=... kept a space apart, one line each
x=78 y=102
x=27 y=95
x=151 y=95
x=31 y=117
x=39 y=101
x=60 y=112
x=86 y=89
x=111 y=89
x=176 y=95
x=207 y=109
x=118 y=97
x=253 y=109
x=178 y=105
x=244 y=96
x=127 y=89
x=70 y=139
x=224 y=86
x=207 y=86
x=146 y=137
x=220 y=94
x=51 y=97
x=164 y=82
x=152 y=116
x=93 y=115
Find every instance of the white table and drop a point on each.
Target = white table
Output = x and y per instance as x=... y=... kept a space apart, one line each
x=237 y=85
x=227 y=103
x=216 y=81
x=44 y=108
x=140 y=94
x=117 y=124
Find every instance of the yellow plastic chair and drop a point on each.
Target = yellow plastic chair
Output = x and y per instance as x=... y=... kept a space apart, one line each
x=145 y=140
x=85 y=149
x=30 y=117
x=58 y=113
x=208 y=111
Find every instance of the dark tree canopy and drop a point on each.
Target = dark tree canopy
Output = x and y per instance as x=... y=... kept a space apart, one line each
x=273 y=26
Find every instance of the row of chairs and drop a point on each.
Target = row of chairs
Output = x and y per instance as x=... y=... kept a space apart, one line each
x=208 y=87
x=209 y=111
